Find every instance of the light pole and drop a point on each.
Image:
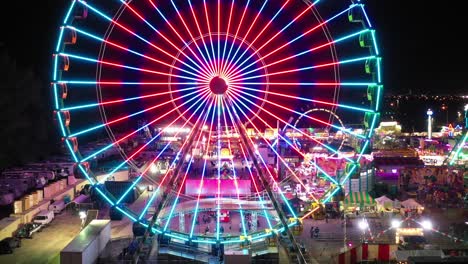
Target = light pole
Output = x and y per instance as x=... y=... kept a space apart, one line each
x=466 y=116
x=429 y=123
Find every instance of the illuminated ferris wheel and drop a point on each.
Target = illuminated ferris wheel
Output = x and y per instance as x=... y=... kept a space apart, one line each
x=185 y=91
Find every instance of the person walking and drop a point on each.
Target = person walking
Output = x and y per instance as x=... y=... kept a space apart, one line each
x=311 y=232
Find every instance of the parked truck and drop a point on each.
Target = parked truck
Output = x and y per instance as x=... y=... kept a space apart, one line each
x=88 y=244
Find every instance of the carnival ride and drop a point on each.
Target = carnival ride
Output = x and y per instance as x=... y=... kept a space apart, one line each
x=212 y=75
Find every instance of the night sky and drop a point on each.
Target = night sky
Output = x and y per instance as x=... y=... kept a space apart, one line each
x=424 y=45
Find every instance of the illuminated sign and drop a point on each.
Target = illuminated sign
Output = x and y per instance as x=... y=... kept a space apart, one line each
x=433 y=160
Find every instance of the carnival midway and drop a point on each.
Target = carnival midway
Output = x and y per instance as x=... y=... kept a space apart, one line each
x=239 y=132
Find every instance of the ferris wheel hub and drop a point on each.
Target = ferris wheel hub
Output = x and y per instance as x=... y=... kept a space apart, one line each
x=218 y=85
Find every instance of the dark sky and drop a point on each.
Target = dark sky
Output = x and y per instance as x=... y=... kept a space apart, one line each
x=424 y=44
x=424 y=47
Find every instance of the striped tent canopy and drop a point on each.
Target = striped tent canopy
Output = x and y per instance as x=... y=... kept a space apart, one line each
x=359 y=198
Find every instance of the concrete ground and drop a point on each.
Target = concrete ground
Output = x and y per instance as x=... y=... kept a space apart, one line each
x=45 y=246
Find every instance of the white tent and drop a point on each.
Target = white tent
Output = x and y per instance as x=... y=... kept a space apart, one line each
x=411 y=204
x=383 y=199
x=384 y=202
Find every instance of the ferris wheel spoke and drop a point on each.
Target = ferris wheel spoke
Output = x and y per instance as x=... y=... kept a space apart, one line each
x=205 y=73
x=194 y=16
x=204 y=169
x=230 y=72
x=218 y=139
x=215 y=59
x=104 y=103
x=349 y=107
x=354 y=34
x=266 y=167
x=223 y=62
x=296 y=112
x=135 y=114
x=307 y=83
x=182 y=184
x=149 y=141
x=308 y=8
x=119 y=46
x=284 y=122
x=127 y=83
x=126 y=66
x=238 y=77
x=272 y=148
x=244 y=38
x=206 y=69
x=228 y=58
x=209 y=69
x=300 y=36
x=143 y=213
x=262 y=201
x=136 y=35
x=224 y=107
x=150 y=201
x=200 y=97
x=218 y=58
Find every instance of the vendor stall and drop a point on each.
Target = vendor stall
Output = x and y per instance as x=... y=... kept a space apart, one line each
x=411 y=205
x=359 y=202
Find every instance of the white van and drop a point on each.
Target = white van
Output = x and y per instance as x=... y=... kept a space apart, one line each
x=44 y=217
x=57 y=207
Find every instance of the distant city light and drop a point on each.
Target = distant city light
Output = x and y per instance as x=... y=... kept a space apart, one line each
x=429 y=112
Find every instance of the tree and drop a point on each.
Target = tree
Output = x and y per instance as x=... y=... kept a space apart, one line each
x=26 y=115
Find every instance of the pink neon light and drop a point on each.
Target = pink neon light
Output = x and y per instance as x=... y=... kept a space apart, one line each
x=149 y=43
x=210 y=187
x=266 y=141
x=142 y=97
x=211 y=70
x=248 y=32
x=211 y=38
x=144 y=146
x=203 y=40
x=150 y=123
x=227 y=34
x=277 y=34
x=264 y=28
x=238 y=28
x=292 y=70
x=286 y=44
x=206 y=74
x=182 y=184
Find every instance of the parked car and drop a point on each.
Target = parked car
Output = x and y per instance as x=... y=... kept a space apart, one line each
x=44 y=217
x=8 y=244
x=27 y=230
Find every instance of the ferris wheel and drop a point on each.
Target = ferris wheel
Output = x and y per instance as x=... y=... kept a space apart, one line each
x=208 y=78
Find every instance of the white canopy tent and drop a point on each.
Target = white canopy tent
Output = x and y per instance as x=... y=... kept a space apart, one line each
x=383 y=202
x=411 y=204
